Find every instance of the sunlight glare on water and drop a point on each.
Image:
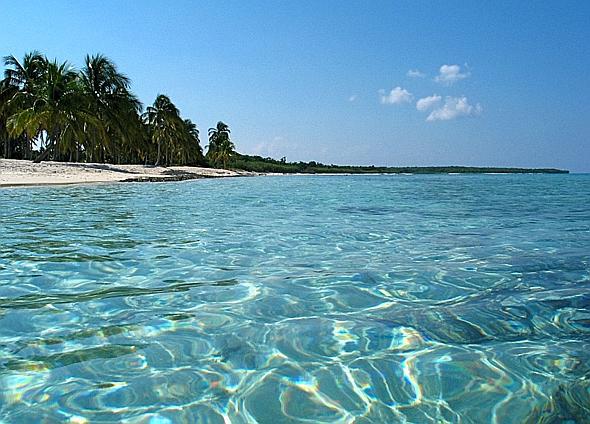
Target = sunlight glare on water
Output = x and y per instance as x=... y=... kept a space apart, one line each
x=290 y=299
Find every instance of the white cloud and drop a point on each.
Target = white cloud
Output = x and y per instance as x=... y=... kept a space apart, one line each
x=276 y=148
x=396 y=96
x=415 y=73
x=429 y=102
x=450 y=74
x=454 y=107
x=352 y=98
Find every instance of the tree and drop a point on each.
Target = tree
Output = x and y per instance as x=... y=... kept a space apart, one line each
x=16 y=90
x=165 y=124
x=49 y=101
x=89 y=115
x=220 y=148
x=194 y=151
x=5 y=142
x=109 y=99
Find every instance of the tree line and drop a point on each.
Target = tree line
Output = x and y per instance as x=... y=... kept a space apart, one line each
x=262 y=164
x=51 y=111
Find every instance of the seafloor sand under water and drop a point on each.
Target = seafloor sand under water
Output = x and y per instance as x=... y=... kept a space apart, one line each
x=285 y=299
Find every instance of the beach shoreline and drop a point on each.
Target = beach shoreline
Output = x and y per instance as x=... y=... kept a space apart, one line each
x=24 y=173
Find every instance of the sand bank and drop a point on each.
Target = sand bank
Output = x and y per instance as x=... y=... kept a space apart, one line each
x=26 y=173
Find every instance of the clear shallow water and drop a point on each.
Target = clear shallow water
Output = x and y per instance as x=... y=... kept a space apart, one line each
x=298 y=299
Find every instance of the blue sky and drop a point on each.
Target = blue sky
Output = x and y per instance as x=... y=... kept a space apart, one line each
x=498 y=83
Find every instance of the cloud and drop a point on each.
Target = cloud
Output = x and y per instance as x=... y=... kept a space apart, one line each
x=277 y=147
x=450 y=74
x=396 y=96
x=454 y=107
x=429 y=102
x=352 y=98
x=415 y=73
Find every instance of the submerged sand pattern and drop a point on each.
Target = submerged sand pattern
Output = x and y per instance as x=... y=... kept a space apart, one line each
x=298 y=299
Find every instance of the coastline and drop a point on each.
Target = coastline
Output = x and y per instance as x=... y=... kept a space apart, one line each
x=24 y=173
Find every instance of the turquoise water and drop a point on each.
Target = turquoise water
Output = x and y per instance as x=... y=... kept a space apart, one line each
x=298 y=299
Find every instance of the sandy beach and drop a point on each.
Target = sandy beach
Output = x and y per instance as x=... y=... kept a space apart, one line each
x=15 y=173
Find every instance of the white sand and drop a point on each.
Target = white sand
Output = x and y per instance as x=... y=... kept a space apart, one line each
x=25 y=173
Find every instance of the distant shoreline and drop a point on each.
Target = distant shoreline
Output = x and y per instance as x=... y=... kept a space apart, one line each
x=260 y=164
x=24 y=173
x=442 y=170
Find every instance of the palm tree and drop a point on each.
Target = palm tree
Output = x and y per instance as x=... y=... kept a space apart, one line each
x=52 y=102
x=217 y=134
x=221 y=148
x=23 y=76
x=110 y=100
x=4 y=137
x=16 y=89
x=91 y=114
x=164 y=123
x=193 y=149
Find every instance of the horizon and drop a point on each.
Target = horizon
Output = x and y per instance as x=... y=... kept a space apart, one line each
x=499 y=85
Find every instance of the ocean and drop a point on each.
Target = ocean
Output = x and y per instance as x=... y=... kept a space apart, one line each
x=291 y=299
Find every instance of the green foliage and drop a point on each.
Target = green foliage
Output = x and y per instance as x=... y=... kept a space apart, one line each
x=221 y=148
x=49 y=110
x=260 y=164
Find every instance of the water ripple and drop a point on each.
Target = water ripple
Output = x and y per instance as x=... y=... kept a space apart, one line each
x=362 y=299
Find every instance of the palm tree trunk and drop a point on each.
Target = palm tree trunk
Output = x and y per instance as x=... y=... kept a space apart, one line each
x=51 y=146
x=48 y=148
x=158 y=159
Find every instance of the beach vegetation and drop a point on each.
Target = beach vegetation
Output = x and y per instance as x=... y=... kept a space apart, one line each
x=220 y=149
x=270 y=165
x=51 y=111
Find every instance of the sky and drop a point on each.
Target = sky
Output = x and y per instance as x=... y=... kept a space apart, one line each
x=398 y=83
